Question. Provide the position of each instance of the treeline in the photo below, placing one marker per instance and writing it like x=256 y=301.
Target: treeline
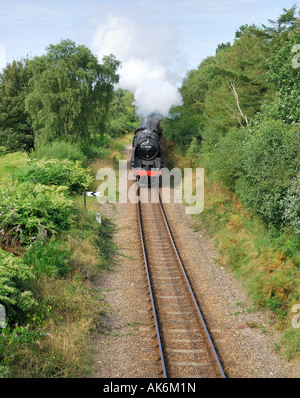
x=65 y=95
x=240 y=118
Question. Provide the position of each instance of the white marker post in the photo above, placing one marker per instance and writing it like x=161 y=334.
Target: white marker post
x=89 y=193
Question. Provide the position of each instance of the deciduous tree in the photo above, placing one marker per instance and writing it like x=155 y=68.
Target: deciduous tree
x=16 y=132
x=70 y=93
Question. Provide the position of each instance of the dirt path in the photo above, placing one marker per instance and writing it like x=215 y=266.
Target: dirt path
x=125 y=346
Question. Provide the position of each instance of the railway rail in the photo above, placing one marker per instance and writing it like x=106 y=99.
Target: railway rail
x=185 y=346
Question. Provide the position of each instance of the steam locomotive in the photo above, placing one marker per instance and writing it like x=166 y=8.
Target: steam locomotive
x=146 y=154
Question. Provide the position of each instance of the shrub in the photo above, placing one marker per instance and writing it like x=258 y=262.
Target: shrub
x=226 y=157
x=49 y=259
x=29 y=210
x=14 y=295
x=55 y=172
x=60 y=150
x=291 y=204
x=3 y=150
x=271 y=160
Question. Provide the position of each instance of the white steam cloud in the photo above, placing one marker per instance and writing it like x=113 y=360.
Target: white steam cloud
x=152 y=65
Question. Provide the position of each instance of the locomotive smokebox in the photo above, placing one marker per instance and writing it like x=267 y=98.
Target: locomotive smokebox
x=146 y=149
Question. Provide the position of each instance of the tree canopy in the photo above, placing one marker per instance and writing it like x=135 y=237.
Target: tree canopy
x=16 y=132
x=70 y=92
x=243 y=104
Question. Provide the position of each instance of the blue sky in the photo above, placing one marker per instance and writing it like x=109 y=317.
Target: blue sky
x=28 y=26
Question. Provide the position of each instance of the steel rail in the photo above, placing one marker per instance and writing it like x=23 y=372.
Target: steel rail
x=150 y=288
x=191 y=290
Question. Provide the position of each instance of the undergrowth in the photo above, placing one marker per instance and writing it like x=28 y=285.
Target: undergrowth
x=46 y=278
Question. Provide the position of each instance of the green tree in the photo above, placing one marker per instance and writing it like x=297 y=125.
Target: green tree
x=16 y=132
x=122 y=113
x=284 y=24
x=270 y=162
x=226 y=90
x=182 y=127
x=284 y=73
x=70 y=93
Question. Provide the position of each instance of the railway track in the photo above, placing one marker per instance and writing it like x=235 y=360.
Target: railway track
x=186 y=348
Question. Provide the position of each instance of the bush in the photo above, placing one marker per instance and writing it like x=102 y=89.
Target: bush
x=60 y=150
x=291 y=204
x=49 y=259
x=55 y=172
x=28 y=211
x=14 y=295
x=182 y=127
x=271 y=160
x=226 y=158
x=3 y=150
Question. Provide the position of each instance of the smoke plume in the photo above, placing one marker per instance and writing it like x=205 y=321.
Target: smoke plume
x=152 y=64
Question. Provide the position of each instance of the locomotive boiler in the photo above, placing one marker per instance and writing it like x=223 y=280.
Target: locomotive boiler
x=146 y=155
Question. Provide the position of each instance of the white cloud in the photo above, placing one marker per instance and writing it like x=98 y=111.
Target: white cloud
x=151 y=61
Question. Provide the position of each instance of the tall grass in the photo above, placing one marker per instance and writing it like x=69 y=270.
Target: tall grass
x=10 y=161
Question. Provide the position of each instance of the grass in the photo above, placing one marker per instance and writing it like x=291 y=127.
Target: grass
x=115 y=154
x=69 y=308
x=10 y=161
x=268 y=269
x=56 y=340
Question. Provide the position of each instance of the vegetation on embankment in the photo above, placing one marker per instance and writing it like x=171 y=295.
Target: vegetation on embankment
x=240 y=121
x=266 y=265
x=51 y=250
x=59 y=114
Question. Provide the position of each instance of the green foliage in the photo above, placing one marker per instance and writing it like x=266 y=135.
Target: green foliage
x=64 y=95
x=10 y=161
x=60 y=150
x=70 y=93
x=244 y=105
x=182 y=127
x=16 y=132
x=285 y=24
x=12 y=341
x=225 y=161
x=291 y=204
x=270 y=161
x=14 y=295
x=193 y=151
x=285 y=74
x=55 y=172
x=122 y=116
x=49 y=258
x=3 y=150
x=28 y=211
x=225 y=91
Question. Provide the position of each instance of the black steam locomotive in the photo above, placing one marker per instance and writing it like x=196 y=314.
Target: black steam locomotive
x=146 y=155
